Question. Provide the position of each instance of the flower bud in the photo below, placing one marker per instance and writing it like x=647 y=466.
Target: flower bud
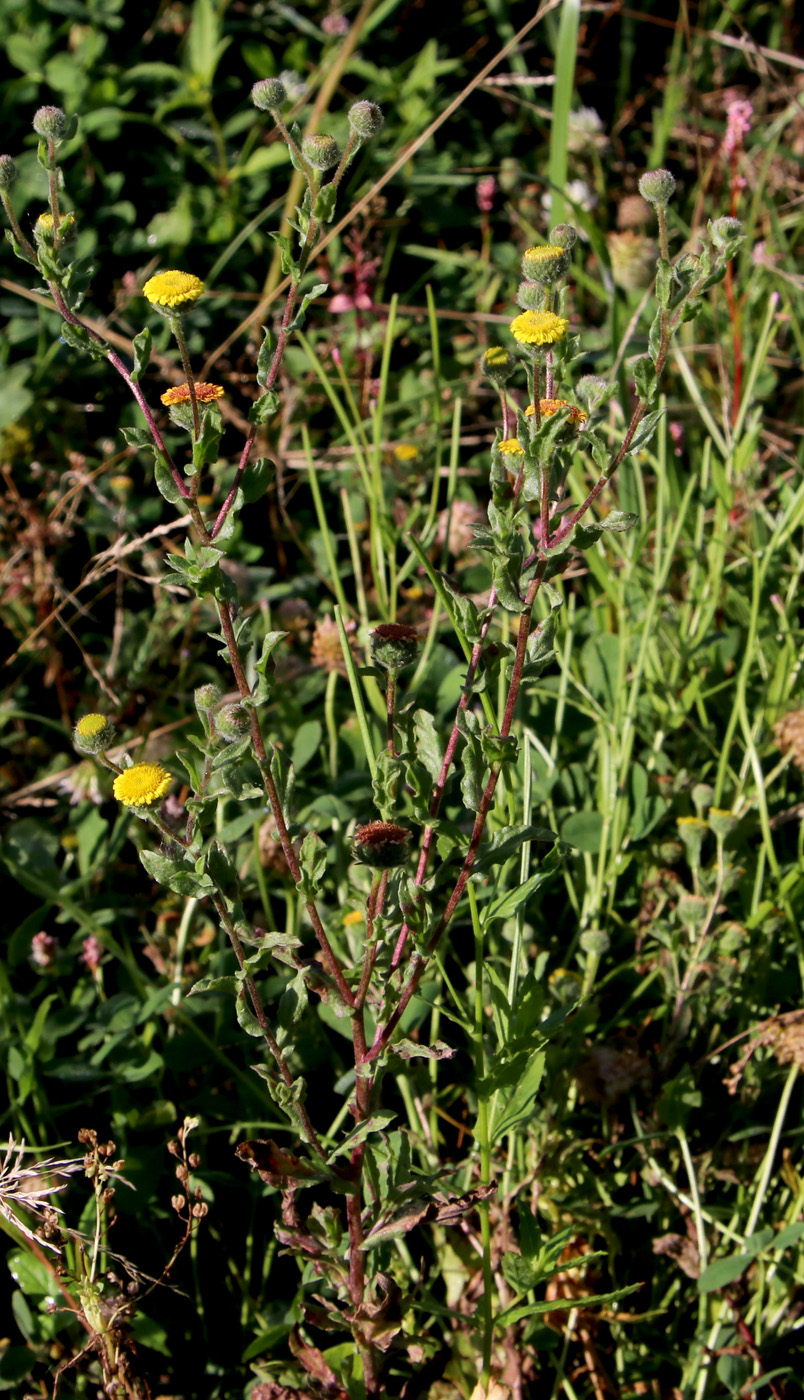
x=8 y=172
x=382 y=845
x=394 y=645
x=692 y=832
x=270 y=94
x=593 y=390
x=93 y=734
x=657 y=186
x=43 y=230
x=321 y=151
x=530 y=296
x=207 y=697
x=633 y=259
x=366 y=119
x=725 y=230
x=692 y=910
x=595 y=940
x=232 y=721
x=564 y=236
x=497 y=363
x=547 y=264
x=50 y=122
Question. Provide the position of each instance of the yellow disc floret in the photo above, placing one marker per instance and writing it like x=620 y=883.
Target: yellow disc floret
x=141 y=784
x=510 y=447
x=547 y=407
x=204 y=393
x=539 y=327
x=172 y=288
x=406 y=452
x=90 y=725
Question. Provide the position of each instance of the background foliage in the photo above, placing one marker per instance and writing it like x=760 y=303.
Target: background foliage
x=664 y=952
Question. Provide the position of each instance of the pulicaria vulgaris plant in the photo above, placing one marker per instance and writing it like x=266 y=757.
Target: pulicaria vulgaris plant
x=446 y=809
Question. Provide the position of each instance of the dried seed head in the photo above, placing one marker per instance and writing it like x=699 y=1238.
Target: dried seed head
x=394 y=645
x=382 y=845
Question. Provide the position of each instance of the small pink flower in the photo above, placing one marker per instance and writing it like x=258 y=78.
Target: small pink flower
x=43 y=949
x=92 y=953
x=739 y=116
x=335 y=25
x=677 y=434
x=485 y=191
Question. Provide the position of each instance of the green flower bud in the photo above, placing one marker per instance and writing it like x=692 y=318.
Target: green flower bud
x=207 y=697
x=725 y=231
x=270 y=94
x=232 y=721
x=564 y=236
x=321 y=151
x=547 y=264
x=497 y=364
x=366 y=119
x=530 y=296
x=702 y=795
x=593 y=390
x=657 y=186
x=93 y=734
x=382 y=845
x=394 y=645
x=50 y=121
x=8 y=172
x=595 y=940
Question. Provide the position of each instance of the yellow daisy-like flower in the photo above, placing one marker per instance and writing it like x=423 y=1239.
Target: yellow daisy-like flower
x=538 y=327
x=172 y=288
x=496 y=355
x=406 y=452
x=90 y=725
x=355 y=916
x=510 y=447
x=180 y=393
x=547 y=407
x=142 y=784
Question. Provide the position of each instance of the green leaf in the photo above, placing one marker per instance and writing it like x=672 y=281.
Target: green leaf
x=584 y=831
x=312 y=864
x=317 y=291
x=519 y=1274
x=165 y=481
x=213 y=984
x=265 y=356
x=205 y=450
x=177 y=874
x=518 y=1107
x=245 y=1016
x=138 y=437
x=429 y=749
x=520 y=1310
x=377 y=1123
x=264 y=408
x=506 y=843
x=142 y=353
x=80 y=339
x=645 y=430
x=723 y=1272
x=505 y=905
x=256 y=479
x=324 y=207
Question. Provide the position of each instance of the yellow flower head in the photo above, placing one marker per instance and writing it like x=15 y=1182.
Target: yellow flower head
x=538 y=327
x=90 y=725
x=547 y=407
x=142 y=784
x=355 y=916
x=548 y=252
x=406 y=452
x=172 y=288
x=510 y=447
x=180 y=393
x=496 y=355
